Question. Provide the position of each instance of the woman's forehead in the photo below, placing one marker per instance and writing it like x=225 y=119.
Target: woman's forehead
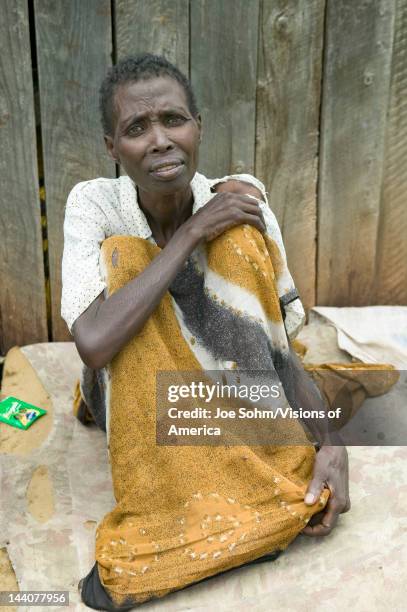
x=152 y=94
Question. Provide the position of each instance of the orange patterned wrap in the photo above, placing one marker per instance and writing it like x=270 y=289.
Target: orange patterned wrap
x=187 y=512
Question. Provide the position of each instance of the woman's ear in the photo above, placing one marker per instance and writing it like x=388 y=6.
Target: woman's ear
x=110 y=148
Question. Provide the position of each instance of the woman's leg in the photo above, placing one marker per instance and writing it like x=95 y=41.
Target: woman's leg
x=95 y=596
x=93 y=397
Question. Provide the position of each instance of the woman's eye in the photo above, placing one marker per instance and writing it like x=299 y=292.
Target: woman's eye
x=135 y=129
x=174 y=120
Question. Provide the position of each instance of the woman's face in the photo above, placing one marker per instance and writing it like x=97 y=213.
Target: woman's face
x=155 y=139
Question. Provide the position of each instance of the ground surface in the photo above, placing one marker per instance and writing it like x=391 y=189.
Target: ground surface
x=56 y=487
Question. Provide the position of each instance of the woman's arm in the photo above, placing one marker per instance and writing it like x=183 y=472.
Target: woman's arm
x=109 y=324
x=331 y=462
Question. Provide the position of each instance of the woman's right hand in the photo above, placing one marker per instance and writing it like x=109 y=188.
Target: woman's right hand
x=224 y=211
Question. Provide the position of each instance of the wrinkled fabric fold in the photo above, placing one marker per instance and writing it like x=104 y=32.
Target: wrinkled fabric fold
x=95 y=596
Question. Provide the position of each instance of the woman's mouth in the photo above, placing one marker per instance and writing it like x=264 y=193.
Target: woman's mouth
x=167 y=171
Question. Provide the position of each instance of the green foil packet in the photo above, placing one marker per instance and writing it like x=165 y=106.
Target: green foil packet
x=19 y=414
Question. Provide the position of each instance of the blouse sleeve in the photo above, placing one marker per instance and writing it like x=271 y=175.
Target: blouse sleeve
x=85 y=228
x=290 y=302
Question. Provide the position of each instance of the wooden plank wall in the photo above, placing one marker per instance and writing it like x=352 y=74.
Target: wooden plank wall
x=356 y=81
x=308 y=95
x=23 y=317
x=391 y=279
x=223 y=74
x=157 y=26
x=74 y=46
x=288 y=103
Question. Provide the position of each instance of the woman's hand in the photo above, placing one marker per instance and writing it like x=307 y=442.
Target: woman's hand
x=238 y=186
x=224 y=211
x=330 y=470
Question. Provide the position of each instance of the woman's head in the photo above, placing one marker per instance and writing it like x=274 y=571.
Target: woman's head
x=150 y=118
x=137 y=68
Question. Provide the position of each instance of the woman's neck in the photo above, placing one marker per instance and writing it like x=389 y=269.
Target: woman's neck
x=165 y=213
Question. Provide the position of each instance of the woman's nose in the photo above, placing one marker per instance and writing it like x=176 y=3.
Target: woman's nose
x=159 y=140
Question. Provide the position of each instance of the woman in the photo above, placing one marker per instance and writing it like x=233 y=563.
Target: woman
x=140 y=255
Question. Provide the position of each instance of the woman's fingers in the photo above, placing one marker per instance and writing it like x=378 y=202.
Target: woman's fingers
x=238 y=187
x=333 y=510
x=251 y=207
x=257 y=221
x=331 y=470
x=240 y=213
x=316 y=485
x=327 y=521
x=227 y=210
x=317 y=530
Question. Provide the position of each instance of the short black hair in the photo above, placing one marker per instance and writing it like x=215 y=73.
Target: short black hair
x=136 y=68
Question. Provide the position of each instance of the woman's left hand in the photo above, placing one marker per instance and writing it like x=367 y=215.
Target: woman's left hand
x=239 y=187
x=331 y=470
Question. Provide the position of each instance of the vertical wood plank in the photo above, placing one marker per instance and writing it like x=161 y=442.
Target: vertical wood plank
x=223 y=73
x=354 y=110
x=158 y=26
x=288 y=104
x=74 y=51
x=23 y=317
x=392 y=236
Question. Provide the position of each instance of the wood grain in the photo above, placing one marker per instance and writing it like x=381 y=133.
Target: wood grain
x=23 y=318
x=333 y=161
x=223 y=73
x=288 y=104
x=158 y=26
x=74 y=48
x=391 y=279
x=356 y=84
